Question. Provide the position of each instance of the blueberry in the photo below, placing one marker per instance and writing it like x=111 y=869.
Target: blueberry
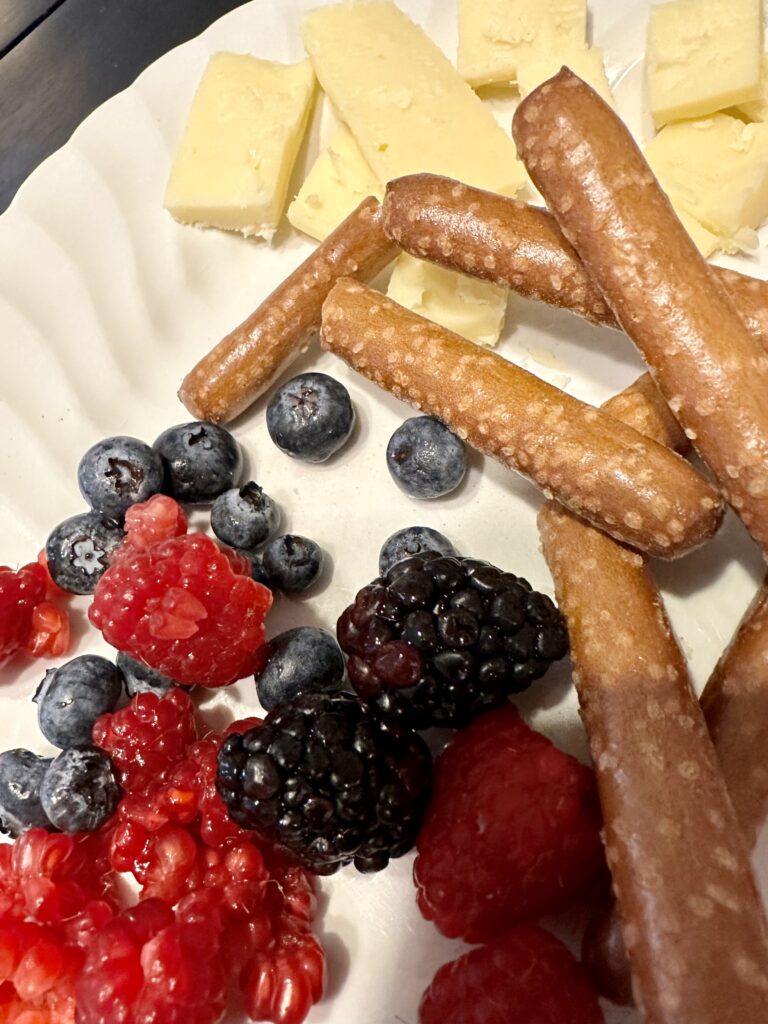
x=119 y=472
x=425 y=458
x=202 y=460
x=413 y=540
x=244 y=517
x=71 y=698
x=301 y=660
x=140 y=678
x=292 y=563
x=21 y=773
x=258 y=572
x=310 y=417
x=78 y=791
x=78 y=551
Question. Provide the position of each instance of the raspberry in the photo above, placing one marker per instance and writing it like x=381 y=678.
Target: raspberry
x=147 y=738
x=439 y=640
x=181 y=608
x=38 y=971
x=19 y=593
x=148 y=522
x=49 y=633
x=526 y=977
x=513 y=831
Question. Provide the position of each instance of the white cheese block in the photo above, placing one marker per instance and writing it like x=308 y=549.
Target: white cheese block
x=337 y=182
x=702 y=56
x=757 y=110
x=403 y=100
x=234 y=163
x=468 y=306
x=716 y=170
x=585 y=62
x=496 y=36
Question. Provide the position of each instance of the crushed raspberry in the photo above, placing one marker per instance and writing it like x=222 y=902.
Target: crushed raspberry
x=525 y=977
x=147 y=738
x=513 y=831
x=181 y=608
x=19 y=593
x=50 y=631
x=149 y=522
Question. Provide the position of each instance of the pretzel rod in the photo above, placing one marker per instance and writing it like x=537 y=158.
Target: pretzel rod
x=735 y=703
x=680 y=867
x=246 y=361
x=710 y=369
x=635 y=489
x=510 y=243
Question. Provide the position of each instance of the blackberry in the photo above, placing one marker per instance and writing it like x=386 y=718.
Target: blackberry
x=329 y=779
x=437 y=640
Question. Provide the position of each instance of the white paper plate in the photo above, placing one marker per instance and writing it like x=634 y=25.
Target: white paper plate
x=105 y=303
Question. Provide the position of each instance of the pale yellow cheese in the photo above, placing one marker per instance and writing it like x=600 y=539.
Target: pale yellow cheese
x=337 y=182
x=757 y=110
x=716 y=171
x=468 y=306
x=585 y=62
x=704 y=240
x=233 y=165
x=404 y=102
x=496 y=36
x=702 y=56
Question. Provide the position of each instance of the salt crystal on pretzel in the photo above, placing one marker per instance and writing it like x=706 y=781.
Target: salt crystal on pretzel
x=244 y=363
x=711 y=371
x=630 y=486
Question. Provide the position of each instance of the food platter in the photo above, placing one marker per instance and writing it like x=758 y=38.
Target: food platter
x=105 y=303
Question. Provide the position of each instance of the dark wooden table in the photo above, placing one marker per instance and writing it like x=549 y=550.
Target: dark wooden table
x=59 y=59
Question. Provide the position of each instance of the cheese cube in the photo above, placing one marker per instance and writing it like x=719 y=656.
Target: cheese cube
x=468 y=306
x=716 y=170
x=496 y=36
x=404 y=102
x=585 y=62
x=234 y=163
x=757 y=110
x=704 y=240
x=703 y=55
x=338 y=181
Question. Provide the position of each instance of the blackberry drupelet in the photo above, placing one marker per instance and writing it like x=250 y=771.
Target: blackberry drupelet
x=437 y=640
x=329 y=779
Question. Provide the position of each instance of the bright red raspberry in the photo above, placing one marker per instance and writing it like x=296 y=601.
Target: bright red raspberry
x=181 y=608
x=50 y=631
x=147 y=738
x=512 y=833
x=38 y=972
x=148 y=522
x=19 y=593
x=525 y=977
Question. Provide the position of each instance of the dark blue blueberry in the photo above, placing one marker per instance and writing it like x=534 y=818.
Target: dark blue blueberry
x=119 y=472
x=301 y=660
x=21 y=773
x=244 y=517
x=79 y=792
x=258 y=572
x=425 y=458
x=413 y=540
x=310 y=417
x=140 y=678
x=78 y=551
x=71 y=698
x=202 y=460
x=292 y=563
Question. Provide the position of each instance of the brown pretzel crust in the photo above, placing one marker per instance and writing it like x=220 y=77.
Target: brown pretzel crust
x=247 y=360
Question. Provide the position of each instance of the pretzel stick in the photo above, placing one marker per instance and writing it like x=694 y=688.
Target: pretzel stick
x=711 y=371
x=637 y=490
x=679 y=864
x=510 y=243
x=735 y=703
x=246 y=361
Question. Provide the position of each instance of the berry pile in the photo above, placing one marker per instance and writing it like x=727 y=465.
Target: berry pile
x=440 y=639
x=328 y=778
x=512 y=833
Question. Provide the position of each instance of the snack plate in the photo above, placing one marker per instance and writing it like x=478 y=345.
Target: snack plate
x=105 y=303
